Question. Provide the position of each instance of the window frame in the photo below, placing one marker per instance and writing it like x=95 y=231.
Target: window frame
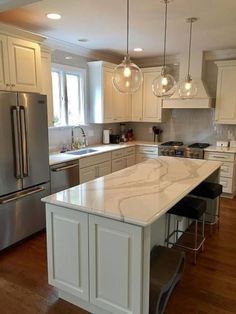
x=81 y=72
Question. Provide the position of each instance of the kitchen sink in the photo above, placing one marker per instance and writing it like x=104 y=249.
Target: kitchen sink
x=83 y=151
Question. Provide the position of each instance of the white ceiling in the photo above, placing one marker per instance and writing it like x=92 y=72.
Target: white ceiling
x=103 y=23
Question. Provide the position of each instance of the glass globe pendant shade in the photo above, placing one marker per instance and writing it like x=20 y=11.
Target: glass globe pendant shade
x=188 y=88
x=164 y=85
x=127 y=77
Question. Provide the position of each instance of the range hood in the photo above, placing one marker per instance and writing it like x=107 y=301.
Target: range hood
x=202 y=99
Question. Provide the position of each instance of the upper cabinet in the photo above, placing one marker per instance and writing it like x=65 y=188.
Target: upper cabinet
x=226 y=93
x=146 y=106
x=106 y=104
x=20 y=65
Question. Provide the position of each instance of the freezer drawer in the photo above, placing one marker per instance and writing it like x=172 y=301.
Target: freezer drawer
x=22 y=214
x=64 y=176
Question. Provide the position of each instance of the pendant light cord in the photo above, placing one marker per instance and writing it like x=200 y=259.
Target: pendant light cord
x=190 y=46
x=127 y=43
x=164 y=61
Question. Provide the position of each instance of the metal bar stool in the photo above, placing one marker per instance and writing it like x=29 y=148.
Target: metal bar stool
x=191 y=208
x=210 y=191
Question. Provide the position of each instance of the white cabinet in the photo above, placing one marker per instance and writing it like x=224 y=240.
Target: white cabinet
x=107 y=105
x=226 y=93
x=115 y=265
x=67 y=251
x=46 y=79
x=4 y=67
x=145 y=105
x=20 y=65
x=227 y=170
x=123 y=158
x=144 y=153
x=94 y=167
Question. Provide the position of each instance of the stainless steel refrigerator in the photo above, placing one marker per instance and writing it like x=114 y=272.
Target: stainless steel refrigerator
x=24 y=165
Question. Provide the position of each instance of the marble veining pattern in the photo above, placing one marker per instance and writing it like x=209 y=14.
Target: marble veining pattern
x=139 y=194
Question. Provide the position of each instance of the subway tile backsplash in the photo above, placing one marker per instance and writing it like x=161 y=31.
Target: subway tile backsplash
x=188 y=125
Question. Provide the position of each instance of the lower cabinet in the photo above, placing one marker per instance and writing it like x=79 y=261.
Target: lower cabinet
x=96 y=171
x=95 y=259
x=146 y=152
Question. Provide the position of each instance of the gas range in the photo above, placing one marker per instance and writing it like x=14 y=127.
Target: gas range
x=178 y=149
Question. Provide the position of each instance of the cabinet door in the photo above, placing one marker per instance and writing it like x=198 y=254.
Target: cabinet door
x=151 y=104
x=67 y=250
x=115 y=265
x=46 y=76
x=87 y=174
x=118 y=164
x=4 y=69
x=108 y=95
x=24 y=64
x=137 y=105
x=130 y=160
x=122 y=106
x=103 y=169
x=226 y=95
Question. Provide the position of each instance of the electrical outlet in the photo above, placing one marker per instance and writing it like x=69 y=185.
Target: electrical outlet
x=150 y=130
x=90 y=133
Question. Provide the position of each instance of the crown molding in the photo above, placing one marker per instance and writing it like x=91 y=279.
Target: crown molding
x=56 y=44
x=10 y=30
x=156 y=61
x=221 y=54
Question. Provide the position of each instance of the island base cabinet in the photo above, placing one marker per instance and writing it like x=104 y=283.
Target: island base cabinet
x=115 y=252
x=67 y=250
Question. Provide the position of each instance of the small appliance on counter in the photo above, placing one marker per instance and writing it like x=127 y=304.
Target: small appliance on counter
x=106 y=137
x=114 y=138
x=157 y=134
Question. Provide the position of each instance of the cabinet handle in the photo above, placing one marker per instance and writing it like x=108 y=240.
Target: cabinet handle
x=65 y=167
x=8 y=85
x=220 y=157
x=13 y=85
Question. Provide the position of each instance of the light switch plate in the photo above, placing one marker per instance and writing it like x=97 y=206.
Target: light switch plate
x=222 y=143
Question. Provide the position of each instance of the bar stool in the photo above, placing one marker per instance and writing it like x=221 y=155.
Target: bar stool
x=210 y=191
x=192 y=208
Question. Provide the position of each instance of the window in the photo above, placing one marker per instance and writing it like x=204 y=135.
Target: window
x=68 y=86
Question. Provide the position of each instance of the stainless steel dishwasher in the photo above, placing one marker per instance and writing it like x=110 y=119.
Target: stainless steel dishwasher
x=64 y=175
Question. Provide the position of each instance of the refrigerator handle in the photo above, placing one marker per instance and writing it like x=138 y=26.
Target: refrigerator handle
x=16 y=196
x=24 y=142
x=16 y=142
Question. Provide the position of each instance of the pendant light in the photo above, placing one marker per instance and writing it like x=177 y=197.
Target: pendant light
x=188 y=88
x=164 y=85
x=127 y=76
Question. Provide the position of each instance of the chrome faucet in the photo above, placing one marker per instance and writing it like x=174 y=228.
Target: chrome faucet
x=84 y=142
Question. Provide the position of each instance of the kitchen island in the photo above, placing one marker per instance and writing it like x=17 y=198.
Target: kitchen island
x=100 y=233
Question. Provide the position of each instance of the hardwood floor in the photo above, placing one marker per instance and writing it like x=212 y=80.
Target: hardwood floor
x=209 y=287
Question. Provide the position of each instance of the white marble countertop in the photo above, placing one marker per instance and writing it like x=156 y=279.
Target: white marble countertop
x=57 y=158
x=221 y=149
x=139 y=194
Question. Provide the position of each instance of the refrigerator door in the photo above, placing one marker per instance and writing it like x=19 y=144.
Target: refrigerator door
x=10 y=156
x=34 y=138
x=22 y=214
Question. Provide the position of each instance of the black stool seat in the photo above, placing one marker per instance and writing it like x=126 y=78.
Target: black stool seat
x=208 y=190
x=189 y=207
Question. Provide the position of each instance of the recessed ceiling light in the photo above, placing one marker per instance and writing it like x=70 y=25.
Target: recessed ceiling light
x=83 y=40
x=68 y=58
x=53 y=16
x=138 y=49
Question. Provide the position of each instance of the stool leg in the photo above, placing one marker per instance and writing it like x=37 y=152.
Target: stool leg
x=168 y=230
x=218 y=214
x=195 y=241
x=203 y=230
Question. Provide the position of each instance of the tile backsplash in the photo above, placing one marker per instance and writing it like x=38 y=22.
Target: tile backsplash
x=187 y=125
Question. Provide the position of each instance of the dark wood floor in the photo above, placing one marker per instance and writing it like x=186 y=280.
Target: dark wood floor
x=209 y=287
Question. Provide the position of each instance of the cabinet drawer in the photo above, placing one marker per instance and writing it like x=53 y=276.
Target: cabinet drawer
x=86 y=174
x=227 y=169
x=129 y=151
x=147 y=149
x=130 y=160
x=227 y=184
x=118 y=164
x=117 y=154
x=219 y=156
x=93 y=160
x=144 y=157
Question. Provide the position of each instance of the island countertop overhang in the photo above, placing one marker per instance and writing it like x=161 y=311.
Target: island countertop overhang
x=139 y=194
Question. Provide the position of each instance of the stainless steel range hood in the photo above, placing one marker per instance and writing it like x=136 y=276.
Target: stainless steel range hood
x=202 y=99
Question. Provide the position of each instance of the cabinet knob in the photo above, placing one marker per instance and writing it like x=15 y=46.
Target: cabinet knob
x=8 y=85
x=13 y=85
